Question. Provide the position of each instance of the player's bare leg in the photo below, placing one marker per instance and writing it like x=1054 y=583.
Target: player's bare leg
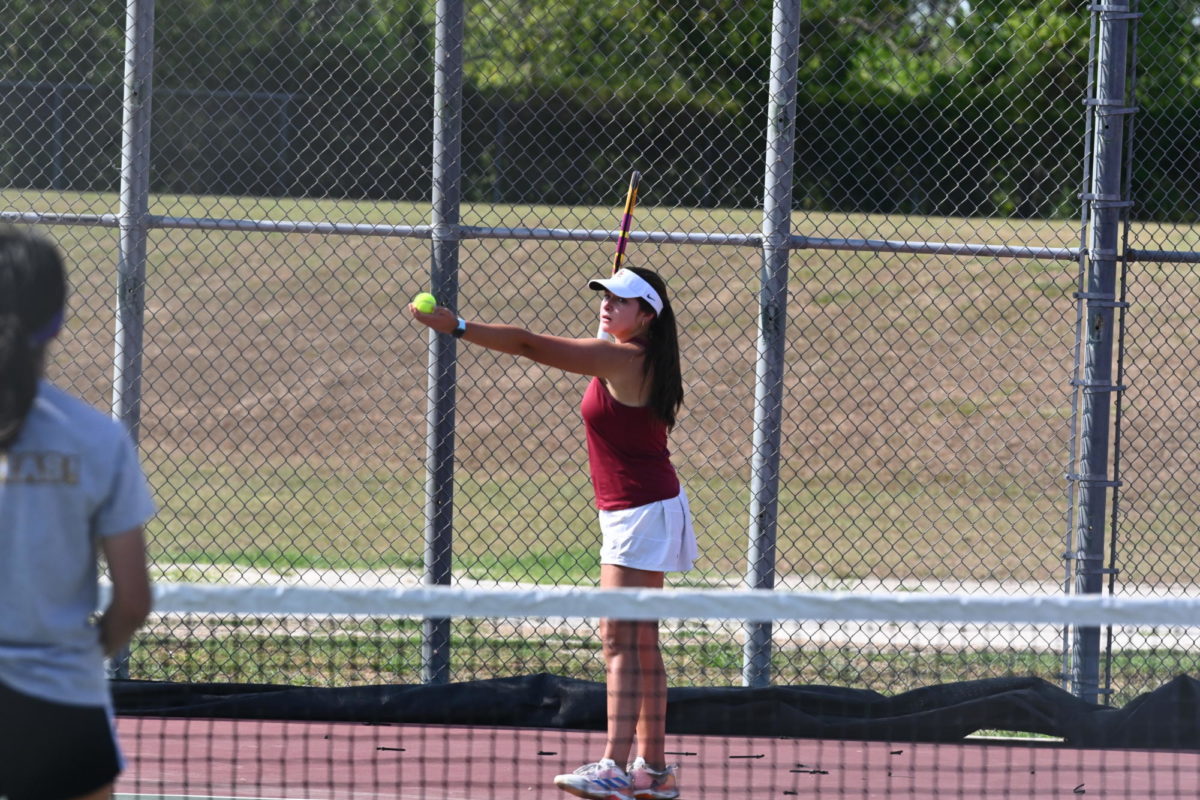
x=636 y=680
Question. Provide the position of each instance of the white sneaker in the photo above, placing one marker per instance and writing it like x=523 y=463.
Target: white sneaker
x=603 y=780
x=649 y=784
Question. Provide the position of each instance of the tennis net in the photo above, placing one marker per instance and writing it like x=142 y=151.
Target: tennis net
x=315 y=693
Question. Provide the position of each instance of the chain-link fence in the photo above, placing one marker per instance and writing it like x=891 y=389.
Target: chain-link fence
x=312 y=164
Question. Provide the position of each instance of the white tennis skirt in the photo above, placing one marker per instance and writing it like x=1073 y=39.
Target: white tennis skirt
x=657 y=537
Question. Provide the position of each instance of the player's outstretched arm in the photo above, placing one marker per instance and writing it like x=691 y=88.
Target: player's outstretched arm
x=582 y=356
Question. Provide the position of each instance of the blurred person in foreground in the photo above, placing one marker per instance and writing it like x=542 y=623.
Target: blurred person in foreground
x=71 y=489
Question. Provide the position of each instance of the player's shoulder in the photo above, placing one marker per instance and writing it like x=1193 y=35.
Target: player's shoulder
x=59 y=414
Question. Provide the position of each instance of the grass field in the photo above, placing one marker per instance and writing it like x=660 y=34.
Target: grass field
x=927 y=399
x=925 y=436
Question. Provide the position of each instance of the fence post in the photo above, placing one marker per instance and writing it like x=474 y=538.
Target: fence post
x=133 y=220
x=447 y=177
x=1104 y=202
x=772 y=328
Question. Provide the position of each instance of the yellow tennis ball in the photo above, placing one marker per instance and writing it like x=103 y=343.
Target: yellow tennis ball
x=424 y=302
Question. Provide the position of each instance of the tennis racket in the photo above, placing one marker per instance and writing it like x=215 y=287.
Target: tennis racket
x=635 y=178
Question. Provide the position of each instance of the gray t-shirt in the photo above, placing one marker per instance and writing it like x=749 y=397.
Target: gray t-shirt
x=71 y=478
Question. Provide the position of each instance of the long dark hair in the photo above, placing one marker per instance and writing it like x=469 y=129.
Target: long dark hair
x=662 y=354
x=33 y=292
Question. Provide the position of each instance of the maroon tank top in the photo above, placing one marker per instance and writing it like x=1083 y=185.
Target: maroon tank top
x=627 y=452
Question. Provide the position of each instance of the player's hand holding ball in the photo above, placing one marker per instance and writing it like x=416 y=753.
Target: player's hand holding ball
x=425 y=310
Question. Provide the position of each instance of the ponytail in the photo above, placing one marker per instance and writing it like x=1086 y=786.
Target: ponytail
x=32 y=295
x=662 y=354
x=18 y=378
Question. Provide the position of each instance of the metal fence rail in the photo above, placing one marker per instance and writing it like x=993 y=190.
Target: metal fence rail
x=899 y=286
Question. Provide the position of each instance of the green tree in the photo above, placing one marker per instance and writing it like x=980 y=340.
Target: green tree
x=62 y=41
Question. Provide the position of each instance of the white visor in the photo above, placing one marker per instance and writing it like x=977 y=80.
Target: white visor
x=625 y=283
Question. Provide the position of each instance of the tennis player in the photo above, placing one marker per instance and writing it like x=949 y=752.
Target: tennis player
x=70 y=487
x=628 y=408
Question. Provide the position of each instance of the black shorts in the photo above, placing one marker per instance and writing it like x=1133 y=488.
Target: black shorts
x=52 y=751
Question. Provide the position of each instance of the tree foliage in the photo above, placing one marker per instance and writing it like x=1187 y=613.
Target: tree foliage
x=983 y=98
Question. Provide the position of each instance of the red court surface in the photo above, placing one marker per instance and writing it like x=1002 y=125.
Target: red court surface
x=174 y=758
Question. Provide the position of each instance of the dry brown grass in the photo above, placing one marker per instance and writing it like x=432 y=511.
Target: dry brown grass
x=926 y=429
